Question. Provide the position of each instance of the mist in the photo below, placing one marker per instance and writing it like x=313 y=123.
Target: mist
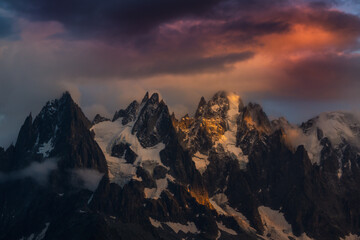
x=37 y=171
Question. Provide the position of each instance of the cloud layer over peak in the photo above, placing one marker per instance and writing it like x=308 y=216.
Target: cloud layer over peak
x=289 y=52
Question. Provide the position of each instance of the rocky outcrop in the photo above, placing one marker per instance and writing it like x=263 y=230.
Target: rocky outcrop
x=128 y=114
x=98 y=119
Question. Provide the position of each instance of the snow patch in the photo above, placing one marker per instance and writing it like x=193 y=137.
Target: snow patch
x=155 y=223
x=161 y=185
x=228 y=140
x=276 y=226
x=336 y=126
x=217 y=200
x=120 y=172
x=222 y=227
x=190 y=227
x=351 y=237
x=217 y=208
x=201 y=162
x=108 y=134
x=46 y=148
x=221 y=205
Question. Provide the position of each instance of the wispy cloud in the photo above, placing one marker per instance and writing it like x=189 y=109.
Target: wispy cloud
x=37 y=171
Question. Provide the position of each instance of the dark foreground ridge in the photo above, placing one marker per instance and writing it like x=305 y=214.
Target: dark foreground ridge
x=226 y=173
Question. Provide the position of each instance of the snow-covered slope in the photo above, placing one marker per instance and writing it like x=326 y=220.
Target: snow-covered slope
x=214 y=128
x=228 y=139
x=340 y=128
x=276 y=226
x=109 y=134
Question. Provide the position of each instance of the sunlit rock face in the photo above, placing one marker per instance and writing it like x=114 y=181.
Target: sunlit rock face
x=209 y=124
x=251 y=160
x=225 y=173
x=223 y=125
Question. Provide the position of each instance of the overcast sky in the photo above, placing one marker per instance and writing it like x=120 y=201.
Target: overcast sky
x=296 y=58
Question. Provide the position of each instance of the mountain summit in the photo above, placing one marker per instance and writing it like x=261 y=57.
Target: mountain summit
x=228 y=172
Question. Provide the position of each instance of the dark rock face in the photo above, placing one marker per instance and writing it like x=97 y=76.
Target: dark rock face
x=153 y=123
x=7 y=158
x=122 y=150
x=61 y=130
x=128 y=114
x=98 y=119
x=253 y=125
x=216 y=171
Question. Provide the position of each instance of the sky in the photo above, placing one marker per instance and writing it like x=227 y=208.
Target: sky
x=296 y=58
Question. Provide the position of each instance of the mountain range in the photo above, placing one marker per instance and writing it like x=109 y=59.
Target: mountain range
x=227 y=172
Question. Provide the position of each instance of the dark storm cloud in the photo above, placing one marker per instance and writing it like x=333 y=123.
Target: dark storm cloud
x=336 y=21
x=89 y=16
x=197 y=65
x=6 y=26
x=113 y=18
x=257 y=28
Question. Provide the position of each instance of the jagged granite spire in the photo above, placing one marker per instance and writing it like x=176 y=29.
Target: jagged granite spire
x=128 y=114
x=98 y=119
x=145 y=98
x=60 y=130
x=153 y=123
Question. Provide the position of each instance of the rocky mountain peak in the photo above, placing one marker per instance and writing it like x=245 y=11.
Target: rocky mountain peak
x=200 y=108
x=98 y=118
x=253 y=117
x=218 y=105
x=25 y=135
x=212 y=119
x=129 y=114
x=154 y=98
x=337 y=126
x=153 y=123
x=145 y=98
x=59 y=130
x=279 y=123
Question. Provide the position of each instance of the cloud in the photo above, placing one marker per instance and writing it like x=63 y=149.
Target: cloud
x=6 y=27
x=39 y=171
x=196 y=65
x=86 y=178
x=91 y=17
x=328 y=76
x=112 y=52
x=36 y=170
